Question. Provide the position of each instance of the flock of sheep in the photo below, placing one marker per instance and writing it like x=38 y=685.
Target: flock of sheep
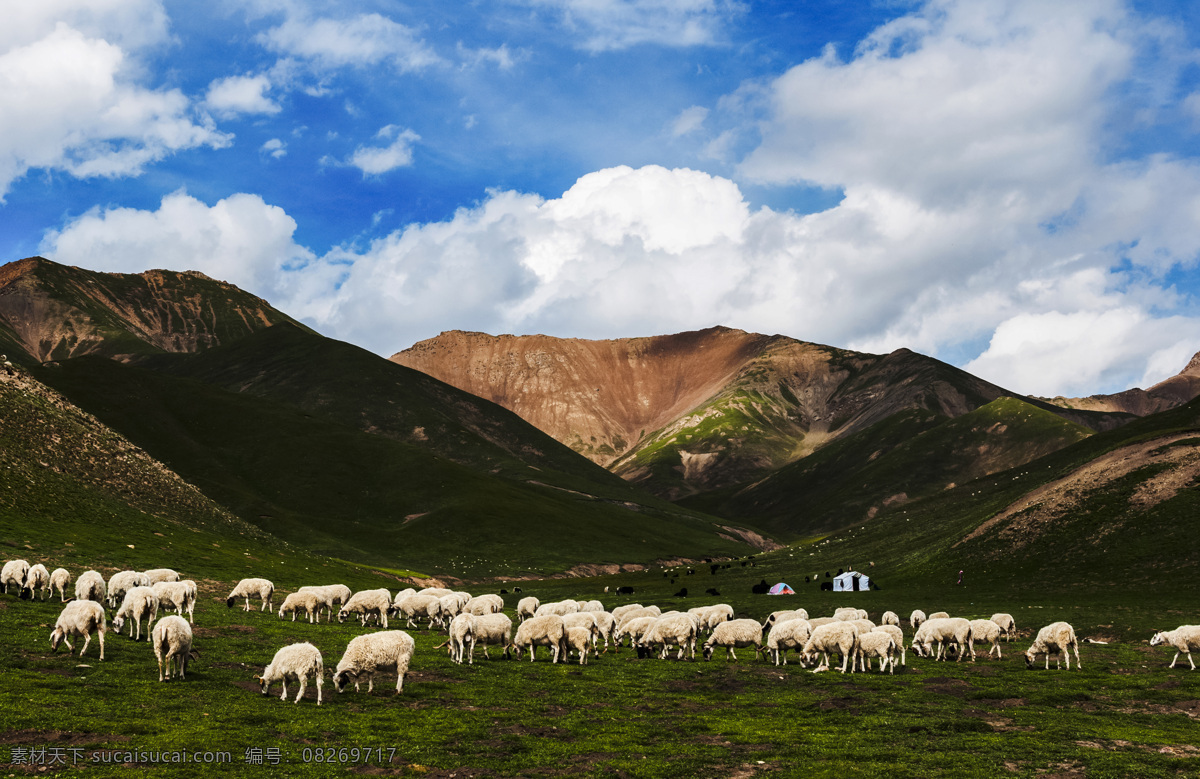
x=565 y=627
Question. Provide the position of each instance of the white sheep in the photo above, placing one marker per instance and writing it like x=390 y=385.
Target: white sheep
x=122 y=582
x=545 y=630
x=1008 y=626
x=485 y=604
x=14 y=573
x=889 y=618
x=846 y=614
x=638 y=613
x=90 y=586
x=863 y=625
x=986 y=630
x=789 y=634
x=916 y=618
x=834 y=636
x=944 y=631
x=1184 y=638
x=579 y=640
x=635 y=628
x=180 y=596
x=308 y=602
x=156 y=575
x=450 y=605
x=817 y=622
x=898 y=636
x=527 y=607
x=371 y=653
x=733 y=634
x=558 y=608
x=172 y=640
x=675 y=630
x=873 y=644
x=60 y=579
x=79 y=618
x=333 y=597
x=605 y=624
x=38 y=579
x=620 y=611
x=139 y=603
x=418 y=605
x=263 y=589
x=436 y=592
x=295 y=661
x=462 y=636
x=939 y=615
x=585 y=620
x=1057 y=639
x=368 y=603
x=492 y=630
x=592 y=605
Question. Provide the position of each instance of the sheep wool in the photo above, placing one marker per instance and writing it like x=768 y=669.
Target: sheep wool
x=786 y=635
x=372 y=653
x=38 y=581
x=263 y=589
x=1056 y=639
x=90 y=586
x=14 y=573
x=180 y=595
x=986 y=630
x=1008 y=626
x=872 y=644
x=527 y=607
x=297 y=662
x=545 y=630
x=835 y=636
x=172 y=641
x=734 y=634
x=79 y=618
x=579 y=640
x=308 y=602
x=60 y=579
x=156 y=575
x=368 y=603
x=492 y=630
x=138 y=604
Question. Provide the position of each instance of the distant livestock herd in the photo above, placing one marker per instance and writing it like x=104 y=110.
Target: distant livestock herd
x=567 y=628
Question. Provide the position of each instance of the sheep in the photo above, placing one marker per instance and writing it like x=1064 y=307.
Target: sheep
x=916 y=618
x=1057 y=638
x=592 y=605
x=436 y=592
x=863 y=625
x=79 y=618
x=817 y=622
x=637 y=613
x=450 y=605
x=890 y=618
x=37 y=579
x=156 y=575
x=263 y=589
x=716 y=614
x=90 y=586
x=732 y=634
x=1184 y=638
x=14 y=572
x=172 y=639
x=636 y=629
x=835 y=636
x=1008 y=626
x=939 y=615
x=139 y=603
x=462 y=636
x=180 y=596
x=872 y=644
x=120 y=583
x=585 y=620
x=527 y=607
x=846 y=614
x=309 y=602
x=366 y=603
x=579 y=640
x=898 y=636
x=605 y=624
x=789 y=634
x=943 y=631
x=559 y=608
x=675 y=630
x=620 y=611
x=492 y=629
x=545 y=630
x=429 y=606
x=60 y=579
x=333 y=596
x=368 y=654
x=485 y=604
x=295 y=661
x=403 y=595
x=778 y=617
x=986 y=630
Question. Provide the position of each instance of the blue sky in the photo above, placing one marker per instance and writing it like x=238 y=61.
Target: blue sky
x=1011 y=186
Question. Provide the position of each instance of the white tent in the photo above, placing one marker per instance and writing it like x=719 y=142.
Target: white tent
x=851 y=581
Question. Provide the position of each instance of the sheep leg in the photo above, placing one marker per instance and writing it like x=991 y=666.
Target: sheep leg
x=86 y=640
x=284 y=696
x=320 y=676
x=303 y=686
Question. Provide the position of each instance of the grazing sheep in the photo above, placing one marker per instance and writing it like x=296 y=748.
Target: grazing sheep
x=585 y=620
x=916 y=618
x=620 y=611
x=872 y=644
x=450 y=605
x=789 y=634
x=527 y=607
x=835 y=636
x=368 y=603
x=898 y=636
x=863 y=625
x=333 y=597
x=122 y=582
x=428 y=606
x=14 y=572
x=1184 y=638
x=462 y=636
x=37 y=579
x=1057 y=639
x=296 y=661
x=846 y=614
x=559 y=608
x=484 y=604
x=309 y=602
x=545 y=630
x=368 y=654
x=90 y=586
x=579 y=640
x=79 y=618
x=634 y=628
x=180 y=596
x=732 y=634
x=1008 y=626
x=675 y=630
x=939 y=615
x=60 y=579
x=817 y=622
x=139 y=603
x=592 y=605
x=986 y=630
x=437 y=592
x=605 y=624
x=493 y=630
x=172 y=639
x=263 y=589
x=890 y=618
x=156 y=575
x=638 y=613
x=944 y=631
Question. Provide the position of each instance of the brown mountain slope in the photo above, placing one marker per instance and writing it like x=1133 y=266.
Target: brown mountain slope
x=1170 y=393
x=50 y=311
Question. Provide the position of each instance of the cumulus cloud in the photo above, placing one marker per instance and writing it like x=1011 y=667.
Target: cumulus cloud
x=605 y=25
x=71 y=97
x=275 y=147
x=376 y=160
x=234 y=95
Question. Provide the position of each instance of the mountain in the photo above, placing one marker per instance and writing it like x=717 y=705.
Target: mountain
x=1170 y=393
x=50 y=311
x=703 y=410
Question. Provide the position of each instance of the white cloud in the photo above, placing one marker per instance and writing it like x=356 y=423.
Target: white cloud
x=275 y=147
x=604 y=25
x=366 y=39
x=234 y=95
x=376 y=160
x=689 y=120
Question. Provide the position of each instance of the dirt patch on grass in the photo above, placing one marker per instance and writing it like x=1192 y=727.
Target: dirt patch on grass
x=946 y=686
x=540 y=732
x=1120 y=745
